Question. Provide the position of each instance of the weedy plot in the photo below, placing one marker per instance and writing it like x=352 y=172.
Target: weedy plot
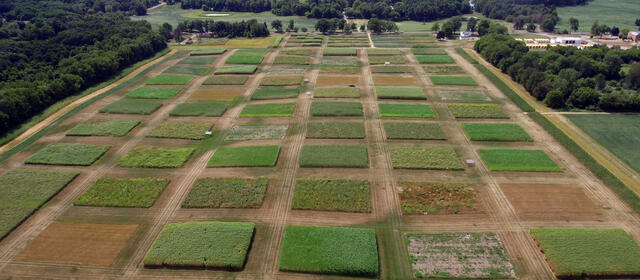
x=453 y=80
x=334 y=156
x=237 y=69
x=464 y=95
x=375 y=52
x=170 y=80
x=247 y=156
x=219 y=93
x=340 y=109
x=68 y=154
x=495 y=132
x=428 y=51
x=189 y=70
x=256 y=132
x=180 y=130
x=459 y=256
x=291 y=59
x=406 y=111
x=335 y=130
x=275 y=93
x=340 y=52
x=477 y=111
x=138 y=107
x=203 y=60
x=304 y=52
x=422 y=131
x=435 y=59
x=337 y=92
x=337 y=69
x=212 y=245
x=204 y=108
x=435 y=158
x=287 y=69
x=267 y=110
x=390 y=69
x=518 y=160
x=332 y=195
x=153 y=93
x=226 y=80
x=337 y=80
x=395 y=80
x=103 y=128
x=116 y=192
x=156 y=157
x=210 y=51
x=329 y=250
x=281 y=81
x=395 y=59
x=400 y=93
x=244 y=59
x=437 y=198
x=23 y=191
x=443 y=69
x=252 y=51
x=226 y=193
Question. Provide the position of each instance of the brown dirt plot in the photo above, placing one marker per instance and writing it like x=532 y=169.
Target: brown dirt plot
x=217 y=93
x=326 y=80
x=395 y=80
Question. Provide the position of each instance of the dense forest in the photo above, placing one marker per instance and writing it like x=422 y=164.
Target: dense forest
x=50 y=50
x=250 y=29
x=25 y=10
x=521 y=12
x=567 y=77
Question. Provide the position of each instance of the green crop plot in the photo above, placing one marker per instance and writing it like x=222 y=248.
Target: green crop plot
x=204 y=108
x=281 y=81
x=23 y=191
x=453 y=80
x=257 y=132
x=267 y=110
x=247 y=156
x=414 y=131
x=244 y=59
x=69 y=154
x=395 y=59
x=252 y=51
x=138 y=107
x=391 y=69
x=340 y=109
x=374 y=52
x=335 y=130
x=332 y=195
x=275 y=93
x=116 y=192
x=103 y=128
x=406 y=111
x=226 y=193
x=170 y=80
x=210 y=51
x=156 y=157
x=495 y=132
x=296 y=52
x=395 y=92
x=443 y=69
x=434 y=158
x=334 y=156
x=435 y=59
x=203 y=60
x=329 y=250
x=337 y=92
x=226 y=80
x=340 y=52
x=428 y=51
x=290 y=59
x=189 y=70
x=432 y=198
x=153 y=93
x=237 y=69
x=578 y=253
x=464 y=95
x=212 y=245
x=477 y=111
x=180 y=130
x=518 y=160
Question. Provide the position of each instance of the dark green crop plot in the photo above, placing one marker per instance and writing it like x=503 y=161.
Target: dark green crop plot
x=337 y=92
x=237 y=69
x=453 y=80
x=329 y=250
x=340 y=51
x=406 y=111
x=577 y=253
x=138 y=107
x=395 y=59
x=396 y=92
x=335 y=130
x=340 y=109
x=422 y=131
x=153 y=93
x=180 y=130
x=104 y=128
x=210 y=245
x=115 y=192
x=281 y=81
x=226 y=80
x=428 y=51
x=247 y=156
x=495 y=132
x=275 y=93
x=210 y=51
x=378 y=51
x=518 y=160
x=198 y=60
x=226 y=193
x=68 y=154
x=252 y=51
x=244 y=59
x=290 y=59
x=267 y=110
x=334 y=156
x=332 y=195
x=170 y=80
x=435 y=59
x=156 y=157
x=477 y=111
x=23 y=191
x=435 y=158
x=189 y=70
x=204 y=108
x=390 y=69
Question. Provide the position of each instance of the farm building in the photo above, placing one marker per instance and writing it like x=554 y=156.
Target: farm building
x=567 y=41
x=465 y=35
x=634 y=36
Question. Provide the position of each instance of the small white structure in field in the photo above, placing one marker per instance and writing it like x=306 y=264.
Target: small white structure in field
x=465 y=35
x=308 y=93
x=470 y=162
x=387 y=63
x=208 y=133
x=306 y=80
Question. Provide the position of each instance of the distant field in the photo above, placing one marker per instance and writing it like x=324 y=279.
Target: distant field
x=620 y=13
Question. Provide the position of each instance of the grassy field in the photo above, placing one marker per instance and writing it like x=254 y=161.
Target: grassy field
x=620 y=13
x=463 y=95
x=103 y=128
x=203 y=60
x=156 y=157
x=335 y=130
x=204 y=108
x=329 y=250
x=116 y=192
x=213 y=245
x=290 y=59
x=153 y=93
x=518 y=160
x=414 y=131
x=583 y=252
x=267 y=110
x=23 y=191
x=394 y=59
x=170 y=80
x=180 y=130
x=208 y=51
x=244 y=59
x=385 y=52
x=226 y=193
x=252 y=51
x=237 y=69
x=226 y=80
x=189 y=70
x=435 y=59
x=453 y=80
x=275 y=93
x=256 y=132
x=428 y=51
x=334 y=156
x=390 y=69
x=138 y=107
x=338 y=109
x=442 y=69
x=332 y=195
x=434 y=158
x=281 y=81
x=406 y=111
x=303 y=52
x=477 y=111
x=337 y=92
x=68 y=154
x=340 y=52
x=495 y=132
x=399 y=92
x=432 y=198
x=247 y=156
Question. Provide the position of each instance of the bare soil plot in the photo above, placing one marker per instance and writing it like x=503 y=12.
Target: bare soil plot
x=180 y=130
x=216 y=94
x=435 y=158
x=87 y=244
x=69 y=154
x=256 y=132
x=332 y=195
x=334 y=80
x=414 y=130
x=335 y=130
x=129 y=192
x=395 y=80
x=103 y=128
x=226 y=193
x=438 y=198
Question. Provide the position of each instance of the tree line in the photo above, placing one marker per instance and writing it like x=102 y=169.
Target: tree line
x=27 y=9
x=525 y=12
x=250 y=29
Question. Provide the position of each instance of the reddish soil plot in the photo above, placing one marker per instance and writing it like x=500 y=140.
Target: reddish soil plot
x=88 y=244
x=551 y=202
x=337 y=80
x=216 y=94
x=395 y=80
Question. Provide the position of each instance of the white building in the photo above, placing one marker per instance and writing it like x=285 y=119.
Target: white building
x=567 y=41
x=465 y=35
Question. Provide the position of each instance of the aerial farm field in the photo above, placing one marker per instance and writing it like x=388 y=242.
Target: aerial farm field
x=247 y=163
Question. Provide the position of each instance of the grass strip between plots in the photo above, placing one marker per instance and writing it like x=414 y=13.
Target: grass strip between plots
x=332 y=195
x=247 y=156
x=118 y=192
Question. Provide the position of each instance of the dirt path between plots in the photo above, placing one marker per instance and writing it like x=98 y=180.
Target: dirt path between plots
x=53 y=117
x=370 y=41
